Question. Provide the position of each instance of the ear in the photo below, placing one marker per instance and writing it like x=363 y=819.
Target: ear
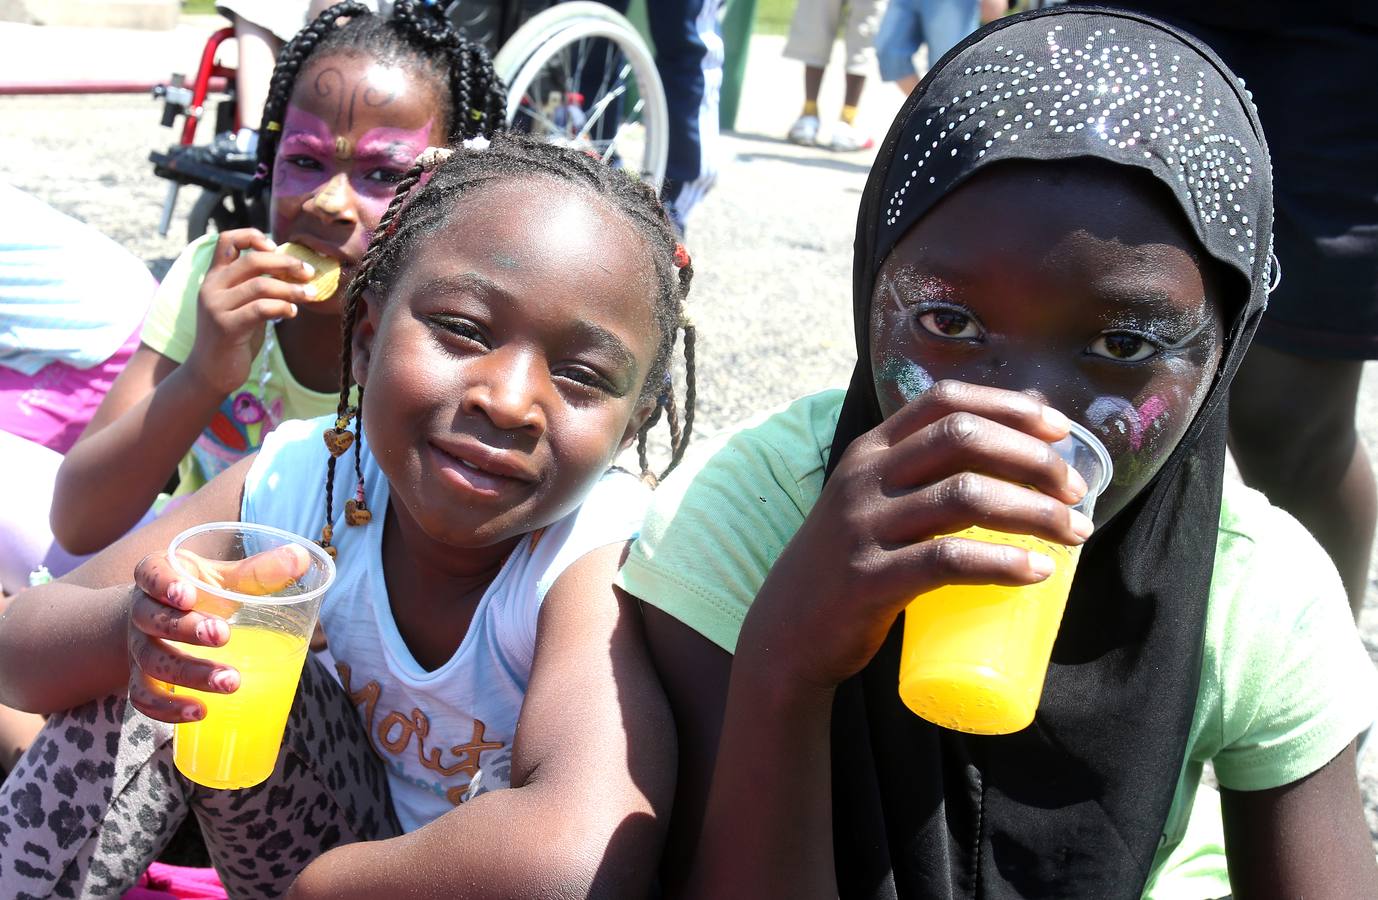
x=639 y=416
x=365 y=331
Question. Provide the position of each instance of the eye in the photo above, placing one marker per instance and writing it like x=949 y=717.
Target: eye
x=303 y=162
x=386 y=176
x=587 y=377
x=1123 y=346
x=950 y=323
x=463 y=329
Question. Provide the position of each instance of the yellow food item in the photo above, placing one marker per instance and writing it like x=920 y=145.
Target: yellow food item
x=327 y=278
x=236 y=744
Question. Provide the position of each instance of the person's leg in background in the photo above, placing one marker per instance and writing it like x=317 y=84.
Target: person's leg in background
x=1293 y=435
x=811 y=31
x=946 y=22
x=863 y=23
x=897 y=40
x=689 y=55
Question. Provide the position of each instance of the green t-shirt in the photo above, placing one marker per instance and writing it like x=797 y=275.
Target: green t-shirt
x=1285 y=685
x=269 y=396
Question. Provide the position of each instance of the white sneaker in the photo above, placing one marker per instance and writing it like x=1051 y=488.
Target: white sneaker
x=804 y=130
x=847 y=138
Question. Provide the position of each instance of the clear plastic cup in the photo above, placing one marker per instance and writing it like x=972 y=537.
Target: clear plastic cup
x=974 y=657
x=268 y=583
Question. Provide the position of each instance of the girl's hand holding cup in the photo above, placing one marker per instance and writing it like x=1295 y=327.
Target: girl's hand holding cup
x=958 y=455
x=169 y=607
x=246 y=286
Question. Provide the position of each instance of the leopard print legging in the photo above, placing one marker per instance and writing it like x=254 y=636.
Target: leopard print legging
x=97 y=798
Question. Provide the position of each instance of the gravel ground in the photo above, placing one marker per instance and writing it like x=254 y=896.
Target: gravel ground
x=771 y=244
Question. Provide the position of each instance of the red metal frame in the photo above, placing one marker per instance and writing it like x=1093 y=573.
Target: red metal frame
x=201 y=86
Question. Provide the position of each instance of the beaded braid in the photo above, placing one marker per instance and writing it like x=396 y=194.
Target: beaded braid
x=474 y=98
x=338 y=440
x=414 y=213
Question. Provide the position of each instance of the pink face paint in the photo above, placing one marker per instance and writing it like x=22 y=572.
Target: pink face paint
x=306 y=154
x=1117 y=415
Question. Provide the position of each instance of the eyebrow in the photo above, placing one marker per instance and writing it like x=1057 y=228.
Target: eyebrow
x=583 y=330
x=306 y=141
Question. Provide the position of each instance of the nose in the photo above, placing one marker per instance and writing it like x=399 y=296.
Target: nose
x=1045 y=377
x=335 y=201
x=508 y=388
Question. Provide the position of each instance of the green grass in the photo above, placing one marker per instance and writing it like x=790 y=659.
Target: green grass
x=198 y=7
x=772 y=16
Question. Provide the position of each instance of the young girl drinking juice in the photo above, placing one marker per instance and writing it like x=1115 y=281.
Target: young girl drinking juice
x=1069 y=222
x=240 y=338
x=510 y=331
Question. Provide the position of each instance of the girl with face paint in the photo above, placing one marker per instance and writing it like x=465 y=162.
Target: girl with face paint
x=237 y=340
x=1069 y=220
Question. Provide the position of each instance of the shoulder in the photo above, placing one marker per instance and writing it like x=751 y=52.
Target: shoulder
x=1286 y=680
x=611 y=514
x=291 y=462
x=719 y=522
x=784 y=450
x=171 y=324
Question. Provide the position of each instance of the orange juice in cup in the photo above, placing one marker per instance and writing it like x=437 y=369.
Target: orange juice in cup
x=974 y=656
x=271 y=603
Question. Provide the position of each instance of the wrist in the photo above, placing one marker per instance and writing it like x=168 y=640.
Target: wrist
x=771 y=672
x=208 y=385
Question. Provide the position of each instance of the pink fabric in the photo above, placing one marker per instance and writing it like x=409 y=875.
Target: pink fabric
x=53 y=406
x=164 y=882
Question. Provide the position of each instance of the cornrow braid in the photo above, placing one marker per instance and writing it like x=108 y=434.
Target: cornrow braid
x=418 y=210
x=472 y=96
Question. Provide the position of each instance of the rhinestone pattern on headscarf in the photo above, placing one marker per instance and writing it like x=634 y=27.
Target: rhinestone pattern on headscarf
x=1083 y=92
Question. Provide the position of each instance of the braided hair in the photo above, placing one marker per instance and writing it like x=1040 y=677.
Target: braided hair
x=412 y=215
x=470 y=93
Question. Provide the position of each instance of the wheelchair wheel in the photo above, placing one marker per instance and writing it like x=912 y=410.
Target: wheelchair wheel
x=217 y=211
x=580 y=75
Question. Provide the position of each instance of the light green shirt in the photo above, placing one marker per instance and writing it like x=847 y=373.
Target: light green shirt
x=269 y=396
x=1285 y=684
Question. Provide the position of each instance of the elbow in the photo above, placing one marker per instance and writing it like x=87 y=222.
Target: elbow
x=76 y=533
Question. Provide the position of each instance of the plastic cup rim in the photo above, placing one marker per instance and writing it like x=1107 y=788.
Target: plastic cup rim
x=253 y=599
x=1087 y=437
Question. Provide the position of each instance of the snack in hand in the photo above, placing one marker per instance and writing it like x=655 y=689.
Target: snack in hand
x=327 y=277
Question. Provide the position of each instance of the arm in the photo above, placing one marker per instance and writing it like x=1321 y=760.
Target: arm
x=1304 y=839
x=592 y=775
x=84 y=618
x=154 y=412
x=957 y=456
x=157 y=408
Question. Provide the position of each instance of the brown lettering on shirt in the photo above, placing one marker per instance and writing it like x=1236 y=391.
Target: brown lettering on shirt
x=395 y=732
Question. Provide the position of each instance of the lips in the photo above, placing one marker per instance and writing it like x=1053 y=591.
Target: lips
x=481 y=469
x=326 y=248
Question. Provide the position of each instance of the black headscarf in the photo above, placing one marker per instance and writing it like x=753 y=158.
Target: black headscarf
x=1074 y=805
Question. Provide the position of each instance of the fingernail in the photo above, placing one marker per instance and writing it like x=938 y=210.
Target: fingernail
x=1081 y=524
x=193 y=713
x=1056 y=419
x=310 y=269
x=212 y=631
x=1076 y=483
x=182 y=594
x=226 y=681
x=1040 y=564
x=309 y=290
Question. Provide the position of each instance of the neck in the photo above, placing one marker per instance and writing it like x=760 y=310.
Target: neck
x=311 y=348
x=433 y=588
x=440 y=564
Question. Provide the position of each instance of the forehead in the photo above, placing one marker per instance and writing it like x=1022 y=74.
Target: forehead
x=1071 y=217
x=351 y=93
x=551 y=240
